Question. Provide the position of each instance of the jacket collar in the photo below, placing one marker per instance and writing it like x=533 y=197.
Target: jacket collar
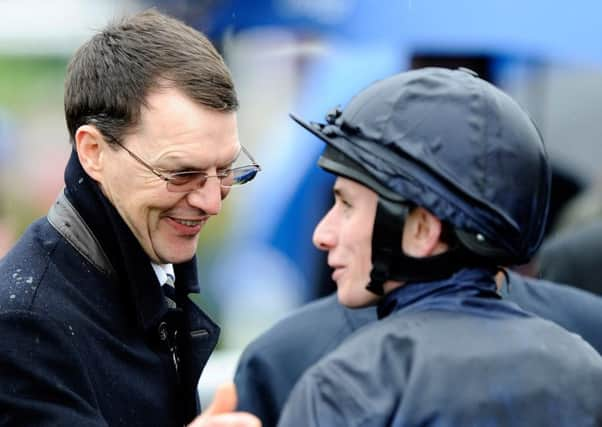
x=468 y=282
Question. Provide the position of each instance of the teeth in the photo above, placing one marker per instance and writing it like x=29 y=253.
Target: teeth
x=188 y=223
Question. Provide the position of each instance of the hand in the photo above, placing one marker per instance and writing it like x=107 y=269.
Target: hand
x=221 y=411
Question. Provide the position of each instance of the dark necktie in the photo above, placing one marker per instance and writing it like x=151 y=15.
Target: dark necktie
x=169 y=291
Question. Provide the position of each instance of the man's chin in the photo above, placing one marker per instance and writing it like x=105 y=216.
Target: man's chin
x=179 y=260
x=176 y=255
x=358 y=300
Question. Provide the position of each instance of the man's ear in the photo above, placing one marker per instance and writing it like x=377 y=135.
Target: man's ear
x=422 y=234
x=90 y=147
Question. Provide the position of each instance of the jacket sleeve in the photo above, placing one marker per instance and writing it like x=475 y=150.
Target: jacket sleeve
x=43 y=381
x=259 y=390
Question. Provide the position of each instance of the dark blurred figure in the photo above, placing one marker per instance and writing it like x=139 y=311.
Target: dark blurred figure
x=583 y=209
x=574 y=257
x=566 y=187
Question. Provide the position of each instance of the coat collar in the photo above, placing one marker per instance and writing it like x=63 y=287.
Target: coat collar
x=468 y=282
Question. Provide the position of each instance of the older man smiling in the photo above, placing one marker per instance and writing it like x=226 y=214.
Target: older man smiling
x=97 y=309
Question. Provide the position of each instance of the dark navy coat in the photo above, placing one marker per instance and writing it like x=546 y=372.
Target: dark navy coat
x=574 y=309
x=271 y=365
x=87 y=336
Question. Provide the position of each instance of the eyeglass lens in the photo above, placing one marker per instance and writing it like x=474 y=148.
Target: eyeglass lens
x=189 y=181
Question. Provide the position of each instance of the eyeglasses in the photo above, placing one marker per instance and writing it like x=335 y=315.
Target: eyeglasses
x=183 y=182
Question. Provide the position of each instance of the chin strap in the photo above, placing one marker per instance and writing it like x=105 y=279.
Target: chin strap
x=386 y=241
x=389 y=262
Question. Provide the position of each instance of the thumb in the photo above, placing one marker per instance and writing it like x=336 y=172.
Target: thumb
x=220 y=413
x=224 y=400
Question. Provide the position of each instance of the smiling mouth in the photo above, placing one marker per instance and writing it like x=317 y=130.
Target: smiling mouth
x=189 y=223
x=336 y=273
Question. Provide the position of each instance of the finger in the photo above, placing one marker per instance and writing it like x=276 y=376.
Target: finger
x=234 y=419
x=224 y=400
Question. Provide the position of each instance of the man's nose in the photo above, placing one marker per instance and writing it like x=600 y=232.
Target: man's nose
x=208 y=197
x=324 y=237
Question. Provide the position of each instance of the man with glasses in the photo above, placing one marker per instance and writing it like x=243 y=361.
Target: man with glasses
x=98 y=311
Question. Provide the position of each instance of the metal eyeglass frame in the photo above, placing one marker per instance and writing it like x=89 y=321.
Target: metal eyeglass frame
x=169 y=177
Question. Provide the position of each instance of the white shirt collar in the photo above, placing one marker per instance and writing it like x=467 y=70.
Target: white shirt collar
x=162 y=271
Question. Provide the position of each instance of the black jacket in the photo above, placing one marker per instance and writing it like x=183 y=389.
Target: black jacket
x=87 y=336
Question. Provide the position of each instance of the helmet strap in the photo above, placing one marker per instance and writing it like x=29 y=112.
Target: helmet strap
x=386 y=241
x=389 y=262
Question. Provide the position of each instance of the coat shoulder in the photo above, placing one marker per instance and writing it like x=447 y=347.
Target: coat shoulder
x=23 y=269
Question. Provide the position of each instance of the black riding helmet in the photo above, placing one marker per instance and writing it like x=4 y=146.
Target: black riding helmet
x=454 y=144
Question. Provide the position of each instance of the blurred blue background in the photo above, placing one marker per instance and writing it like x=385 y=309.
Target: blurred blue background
x=303 y=56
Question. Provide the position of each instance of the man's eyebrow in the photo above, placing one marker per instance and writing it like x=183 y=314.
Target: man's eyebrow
x=339 y=192
x=231 y=162
x=181 y=163
x=176 y=160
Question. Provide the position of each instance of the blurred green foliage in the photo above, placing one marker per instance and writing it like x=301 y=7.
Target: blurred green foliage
x=28 y=81
x=30 y=87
